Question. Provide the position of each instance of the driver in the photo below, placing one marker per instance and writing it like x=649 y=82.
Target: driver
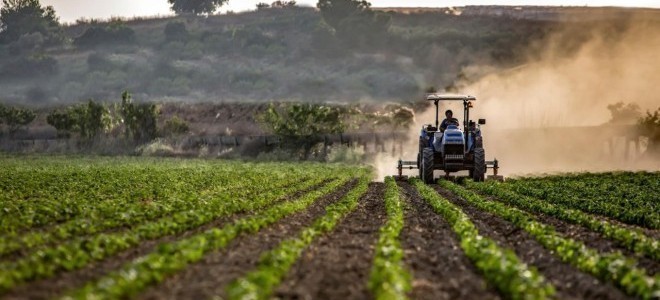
x=449 y=120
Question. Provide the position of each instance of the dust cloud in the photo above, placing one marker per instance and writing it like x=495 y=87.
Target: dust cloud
x=545 y=116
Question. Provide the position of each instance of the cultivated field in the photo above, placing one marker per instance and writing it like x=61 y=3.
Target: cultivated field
x=94 y=228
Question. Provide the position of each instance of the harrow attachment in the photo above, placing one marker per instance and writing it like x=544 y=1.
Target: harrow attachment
x=412 y=165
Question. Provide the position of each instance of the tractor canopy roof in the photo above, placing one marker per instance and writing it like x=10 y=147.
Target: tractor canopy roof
x=449 y=97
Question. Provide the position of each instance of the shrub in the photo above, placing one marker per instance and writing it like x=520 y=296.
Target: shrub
x=175 y=126
x=176 y=31
x=115 y=34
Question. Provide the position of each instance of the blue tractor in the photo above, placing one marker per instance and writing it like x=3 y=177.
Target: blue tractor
x=450 y=148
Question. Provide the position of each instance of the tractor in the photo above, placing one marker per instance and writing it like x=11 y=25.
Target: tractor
x=451 y=149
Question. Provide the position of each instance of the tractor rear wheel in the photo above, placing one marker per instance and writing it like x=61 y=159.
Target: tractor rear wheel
x=419 y=163
x=426 y=171
x=478 y=174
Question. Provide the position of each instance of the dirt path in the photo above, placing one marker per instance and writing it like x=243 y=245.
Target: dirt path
x=210 y=276
x=434 y=257
x=337 y=265
x=569 y=282
x=65 y=281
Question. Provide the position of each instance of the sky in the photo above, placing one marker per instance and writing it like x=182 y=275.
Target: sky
x=71 y=10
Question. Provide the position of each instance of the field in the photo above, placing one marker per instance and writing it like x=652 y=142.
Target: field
x=98 y=228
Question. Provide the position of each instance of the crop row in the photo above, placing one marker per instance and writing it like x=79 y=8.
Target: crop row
x=79 y=252
x=53 y=194
x=173 y=257
x=389 y=279
x=35 y=198
x=613 y=267
x=134 y=215
x=501 y=267
x=275 y=264
x=633 y=240
x=615 y=196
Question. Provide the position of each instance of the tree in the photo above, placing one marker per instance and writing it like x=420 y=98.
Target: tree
x=283 y=4
x=303 y=124
x=89 y=120
x=649 y=126
x=63 y=121
x=334 y=12
x=354 y=21
x=624 y=113
x=140 y=120
x=22 y=17
x=15 y=118
x=262 y=5
x=196 y=7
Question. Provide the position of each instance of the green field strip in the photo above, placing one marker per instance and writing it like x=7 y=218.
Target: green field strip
x=170 y=258
x=613 y=267
x=76 y=254
x=54 y=191
x=633 y=240
x=275 y=264
x=500 y=266
x=614 y=196
x=128 y=218
x=48 y=196
x=389 y=278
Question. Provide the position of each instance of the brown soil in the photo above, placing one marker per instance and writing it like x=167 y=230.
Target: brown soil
x=338 y=265
x=209 y=277
x=65 y=281
x=569 y=282
x=434 y=256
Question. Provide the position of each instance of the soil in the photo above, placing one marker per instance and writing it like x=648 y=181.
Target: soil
x=65 y=281
x=434 y=257
x=569 y=282
x=338 y=265
x=209 y=277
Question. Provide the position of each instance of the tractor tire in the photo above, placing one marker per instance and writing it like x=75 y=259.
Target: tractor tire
x=426 y=172
x=478 y=174
x=419 y=163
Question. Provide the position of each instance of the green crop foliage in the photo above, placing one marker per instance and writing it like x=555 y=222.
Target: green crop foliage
x=612 y=267
x=275 y=264
x=501 y=267
x=633 y=240
x=133 y=214
x=172 y=257
x=82 y=210
x=624 y=196
x=389 y=278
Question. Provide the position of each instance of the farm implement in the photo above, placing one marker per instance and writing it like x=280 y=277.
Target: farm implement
x=448 y=148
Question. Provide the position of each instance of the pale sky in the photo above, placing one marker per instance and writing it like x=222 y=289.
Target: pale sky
x=71 y=10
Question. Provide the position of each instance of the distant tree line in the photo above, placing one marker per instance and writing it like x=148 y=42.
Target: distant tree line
x=15 y=118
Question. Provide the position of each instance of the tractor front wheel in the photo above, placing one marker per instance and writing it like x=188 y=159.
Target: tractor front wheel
x=478 y=174
x=426 y=172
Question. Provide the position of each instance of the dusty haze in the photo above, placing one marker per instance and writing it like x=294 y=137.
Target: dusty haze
x=526 y=105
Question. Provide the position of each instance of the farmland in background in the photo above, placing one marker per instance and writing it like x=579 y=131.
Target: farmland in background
x=90 y=227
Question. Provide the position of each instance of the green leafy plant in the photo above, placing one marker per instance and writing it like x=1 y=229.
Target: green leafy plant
x=613 y=267
x=501 y=267
x=389 y=278
x=275 y=264
x=634 y=240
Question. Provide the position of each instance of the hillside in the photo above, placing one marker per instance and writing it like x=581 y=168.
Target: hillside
x=270 y=54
